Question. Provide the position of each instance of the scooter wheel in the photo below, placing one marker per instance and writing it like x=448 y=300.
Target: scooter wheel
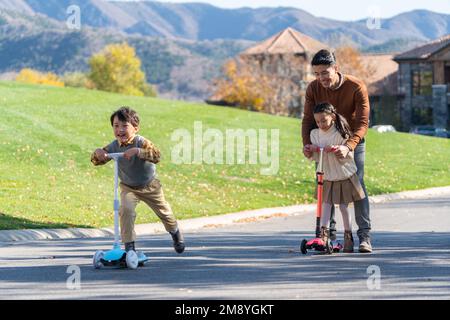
x=142 y=258
x=132 y=260
x=303 y=246
x=337 y=247
x=96 y=260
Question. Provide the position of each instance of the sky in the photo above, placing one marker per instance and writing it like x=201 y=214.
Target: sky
x=344 y=10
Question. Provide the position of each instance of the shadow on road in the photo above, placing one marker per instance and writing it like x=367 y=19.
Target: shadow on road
x=214 y=260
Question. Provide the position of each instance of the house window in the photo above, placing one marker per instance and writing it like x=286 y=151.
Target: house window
x=422 y=116
x=447 y=74
x=421 y=82
x=448 y=117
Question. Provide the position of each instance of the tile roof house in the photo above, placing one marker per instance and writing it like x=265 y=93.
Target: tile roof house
x=286 y=57
x=285 y=42
x=424 y=81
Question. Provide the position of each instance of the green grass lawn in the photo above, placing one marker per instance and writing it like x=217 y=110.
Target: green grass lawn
x=47 y=180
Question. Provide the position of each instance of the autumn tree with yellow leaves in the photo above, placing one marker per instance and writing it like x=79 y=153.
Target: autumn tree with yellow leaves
x=32 y=76
x=117 y=69
x=244 y=86
x=272 y=83
x=350 y=61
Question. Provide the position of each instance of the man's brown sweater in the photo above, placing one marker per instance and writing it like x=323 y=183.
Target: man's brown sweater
x=350 y=99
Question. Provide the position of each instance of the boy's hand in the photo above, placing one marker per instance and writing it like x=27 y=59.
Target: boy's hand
x=101 y=155
x=130 y=153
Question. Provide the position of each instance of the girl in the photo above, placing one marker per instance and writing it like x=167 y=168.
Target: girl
x=341 y=184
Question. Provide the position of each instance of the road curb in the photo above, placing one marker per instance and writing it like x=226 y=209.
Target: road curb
x=206 y=222
x=154 y=228
x=412 y=195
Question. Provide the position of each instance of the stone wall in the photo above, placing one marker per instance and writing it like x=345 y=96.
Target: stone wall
x=440 y=106
x=436 y=101
x=405 y=88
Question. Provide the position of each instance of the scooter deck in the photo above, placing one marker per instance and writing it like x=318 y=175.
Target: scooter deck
x=318 y=245
x=117 y=258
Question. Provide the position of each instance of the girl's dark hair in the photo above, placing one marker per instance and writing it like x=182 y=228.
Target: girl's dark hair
x=323 y=57
x=341 y=124
x=126 y=114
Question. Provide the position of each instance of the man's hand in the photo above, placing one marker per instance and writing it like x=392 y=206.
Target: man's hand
x=130 y=153
x=101 y=155
x=308 y=150
x=341 y=152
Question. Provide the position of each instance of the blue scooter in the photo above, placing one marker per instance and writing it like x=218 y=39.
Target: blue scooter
x=118 y=256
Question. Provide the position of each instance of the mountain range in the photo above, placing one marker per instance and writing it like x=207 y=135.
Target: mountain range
x=197 y=21
x=182 y=45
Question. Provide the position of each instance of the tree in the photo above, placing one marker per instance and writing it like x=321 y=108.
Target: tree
x=350 y=61
x=77 y=80
x=244 y=87
x=117 y=69
x=32 y=76
x=270 y=83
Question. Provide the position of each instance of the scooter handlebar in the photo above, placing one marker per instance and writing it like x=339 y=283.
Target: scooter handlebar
x=115 y=156
x=327 y=149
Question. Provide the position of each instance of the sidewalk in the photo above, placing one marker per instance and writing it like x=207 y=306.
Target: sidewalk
x=206 y=222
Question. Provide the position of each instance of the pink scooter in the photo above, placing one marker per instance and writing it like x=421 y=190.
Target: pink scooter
x=317 y=243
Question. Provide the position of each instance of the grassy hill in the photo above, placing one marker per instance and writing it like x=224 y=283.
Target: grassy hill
x=48 y=134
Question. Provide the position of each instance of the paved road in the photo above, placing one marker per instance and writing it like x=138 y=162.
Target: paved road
x=259 y=260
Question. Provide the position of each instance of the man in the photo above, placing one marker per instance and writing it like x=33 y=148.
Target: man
x=349 y=95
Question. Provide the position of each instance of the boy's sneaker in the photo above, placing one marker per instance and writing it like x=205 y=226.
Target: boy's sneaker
x=365 y=246
x=129 y=246
x=178 y=241
x=141 y=256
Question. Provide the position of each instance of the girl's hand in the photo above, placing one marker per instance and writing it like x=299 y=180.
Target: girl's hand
x=315 y=148
x=342 y=152
x=130 y=153
x=331 y=148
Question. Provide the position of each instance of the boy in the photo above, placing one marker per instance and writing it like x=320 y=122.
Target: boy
x=137 y=173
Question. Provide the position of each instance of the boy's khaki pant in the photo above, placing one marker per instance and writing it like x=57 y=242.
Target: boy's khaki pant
x=153 y=196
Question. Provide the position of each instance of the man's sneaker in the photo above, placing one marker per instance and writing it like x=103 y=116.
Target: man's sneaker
x=365 y=246
x=178 y=241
